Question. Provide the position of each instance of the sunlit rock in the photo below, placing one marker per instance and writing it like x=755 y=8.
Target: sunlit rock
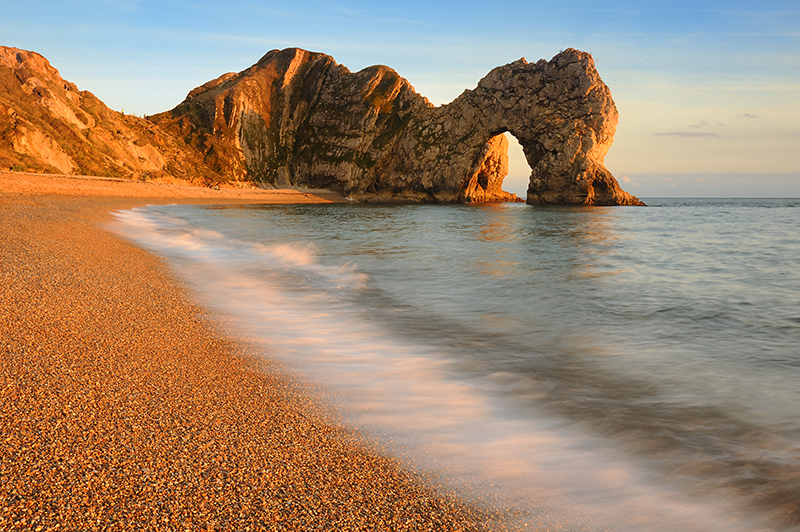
x=298 y=118
x=47 y=124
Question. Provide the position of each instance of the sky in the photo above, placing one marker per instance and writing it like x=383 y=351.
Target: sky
x=708 y=91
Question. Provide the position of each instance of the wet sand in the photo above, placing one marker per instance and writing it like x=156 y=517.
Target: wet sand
x=124 y=406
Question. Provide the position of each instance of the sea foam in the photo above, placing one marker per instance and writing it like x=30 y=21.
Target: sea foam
x=407 y=395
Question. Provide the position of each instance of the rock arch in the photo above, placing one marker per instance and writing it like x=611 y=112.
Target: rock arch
x=560 y=112
x=299 y=118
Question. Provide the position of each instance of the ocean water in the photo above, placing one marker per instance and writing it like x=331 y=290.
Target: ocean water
x=613 y=368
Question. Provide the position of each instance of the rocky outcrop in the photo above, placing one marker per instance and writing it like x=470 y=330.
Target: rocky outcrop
x=561 y=113
x=47 y=124
x=485 y=185
x=298 y=118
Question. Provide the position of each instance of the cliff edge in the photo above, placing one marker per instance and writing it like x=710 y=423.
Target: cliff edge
x=299 y=118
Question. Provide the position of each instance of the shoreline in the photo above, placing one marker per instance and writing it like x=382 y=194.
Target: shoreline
x=30 y=184
x=127 y=406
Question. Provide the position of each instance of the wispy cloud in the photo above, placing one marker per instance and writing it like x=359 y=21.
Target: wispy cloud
x=747 y=115
x=283 y=13
x=704 y=124
x=123 y=5
x=688 y=134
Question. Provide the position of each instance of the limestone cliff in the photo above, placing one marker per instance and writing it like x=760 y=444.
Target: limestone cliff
x=299 y=118
x=560 y=112
x=47 y=124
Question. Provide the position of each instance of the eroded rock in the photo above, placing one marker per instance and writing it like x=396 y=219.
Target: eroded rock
x=47 y=124
x=298 y=118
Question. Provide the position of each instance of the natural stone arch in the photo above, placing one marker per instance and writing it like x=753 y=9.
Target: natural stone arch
x=298 y=118
x=560 y=112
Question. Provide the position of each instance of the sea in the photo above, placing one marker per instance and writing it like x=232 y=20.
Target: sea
x=578 y=368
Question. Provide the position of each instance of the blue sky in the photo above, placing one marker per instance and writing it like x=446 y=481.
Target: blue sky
x=708 y=91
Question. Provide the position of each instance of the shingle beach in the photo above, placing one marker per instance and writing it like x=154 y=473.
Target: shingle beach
x=126 y=406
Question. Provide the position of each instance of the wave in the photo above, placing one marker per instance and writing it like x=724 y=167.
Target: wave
x=409 y=395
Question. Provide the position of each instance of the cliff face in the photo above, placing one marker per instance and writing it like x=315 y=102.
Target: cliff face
x=47 y=124
x=298 y=118
x=560 y=112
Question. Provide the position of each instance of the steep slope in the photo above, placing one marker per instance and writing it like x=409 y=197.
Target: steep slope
x=299 y=118
x=47 y=124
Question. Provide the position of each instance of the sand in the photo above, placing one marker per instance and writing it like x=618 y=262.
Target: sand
x=124 y=406
x=28 y=184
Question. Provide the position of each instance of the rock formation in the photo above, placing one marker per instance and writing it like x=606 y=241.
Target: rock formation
x=48 y=125
x=298 y=118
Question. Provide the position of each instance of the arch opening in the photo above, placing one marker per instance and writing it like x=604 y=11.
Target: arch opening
x=489 y=180
x=519 y=171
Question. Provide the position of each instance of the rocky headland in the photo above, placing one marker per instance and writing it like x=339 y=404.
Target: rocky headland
x=297 y=118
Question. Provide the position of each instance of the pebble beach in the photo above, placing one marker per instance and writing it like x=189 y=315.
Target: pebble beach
x=124 y=405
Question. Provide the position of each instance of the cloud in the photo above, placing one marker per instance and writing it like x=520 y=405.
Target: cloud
x=747 y=115
x=688 y=134
x=703 y=124
x=122 y=5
